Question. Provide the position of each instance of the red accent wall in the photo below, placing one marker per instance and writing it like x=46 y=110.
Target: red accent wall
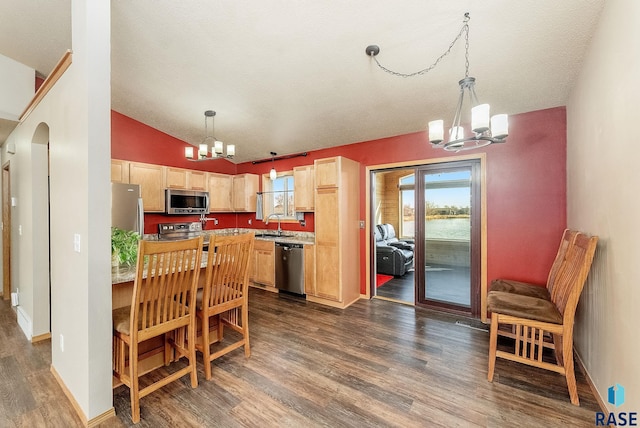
x=135 y=141
x=526 y=184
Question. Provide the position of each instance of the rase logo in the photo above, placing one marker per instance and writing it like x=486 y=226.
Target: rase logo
x=615 y=396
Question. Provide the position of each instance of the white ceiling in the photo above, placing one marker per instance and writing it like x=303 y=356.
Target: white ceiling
x=292 y=76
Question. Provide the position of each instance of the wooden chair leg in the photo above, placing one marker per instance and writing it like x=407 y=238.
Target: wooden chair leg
x=493 y=343
x=557 y=346
x=168 y=350
x=134 y=388
x=206 y=347
x=221 y=326
x=191 y=331
x=245 y=330
x=569 y=373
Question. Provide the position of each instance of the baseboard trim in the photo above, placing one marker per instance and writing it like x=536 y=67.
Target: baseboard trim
x=592 y=385
x=94 y=422
x=40 y=337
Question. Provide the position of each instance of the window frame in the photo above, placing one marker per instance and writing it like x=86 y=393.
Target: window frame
x=268 y=204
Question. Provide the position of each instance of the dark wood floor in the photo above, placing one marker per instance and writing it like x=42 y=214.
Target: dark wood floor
x=373 y=364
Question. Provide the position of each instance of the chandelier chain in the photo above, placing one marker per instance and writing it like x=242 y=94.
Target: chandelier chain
x=464 y=29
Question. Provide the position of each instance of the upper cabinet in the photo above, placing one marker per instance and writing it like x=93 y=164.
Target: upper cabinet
x=119 y=171
x=197 y=180
x=245 y=189
x=179 y=178
x=176 y=178
x=304 y=187
x=151 y=179
x=220 y=188
x=232 y=193
x=328 y=172
x=227 y=193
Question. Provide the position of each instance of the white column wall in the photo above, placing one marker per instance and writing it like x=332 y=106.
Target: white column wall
x=77 y=111
x=602 y=199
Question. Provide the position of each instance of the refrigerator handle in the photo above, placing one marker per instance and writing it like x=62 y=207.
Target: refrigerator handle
x=140 y=217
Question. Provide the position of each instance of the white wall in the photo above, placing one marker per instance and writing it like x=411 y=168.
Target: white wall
x=603 y=199
x=17 y=86
x=77 y=112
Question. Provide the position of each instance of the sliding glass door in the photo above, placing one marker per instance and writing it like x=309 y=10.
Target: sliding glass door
x=447 y=243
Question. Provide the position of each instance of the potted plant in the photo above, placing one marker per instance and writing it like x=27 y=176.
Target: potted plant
x=124 y=246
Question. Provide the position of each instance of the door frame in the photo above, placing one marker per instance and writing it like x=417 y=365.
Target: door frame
x=369 y=240
x=6 y=231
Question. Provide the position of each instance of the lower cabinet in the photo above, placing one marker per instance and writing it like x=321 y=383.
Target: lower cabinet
x=310 y=269
x=263 y=270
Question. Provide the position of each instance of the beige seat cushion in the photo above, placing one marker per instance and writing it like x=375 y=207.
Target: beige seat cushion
x=121 y=321
x=523 y=307
x=521 y=288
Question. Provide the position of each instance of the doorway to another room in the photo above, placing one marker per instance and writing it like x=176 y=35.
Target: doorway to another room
x=426 y=235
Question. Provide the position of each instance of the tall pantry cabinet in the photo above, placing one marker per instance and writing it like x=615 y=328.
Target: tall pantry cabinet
x=337 y=231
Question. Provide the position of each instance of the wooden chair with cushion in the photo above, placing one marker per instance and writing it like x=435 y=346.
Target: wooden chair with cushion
x=534 y=317
x=225 y=293
x=538 y=290
x=162 y=304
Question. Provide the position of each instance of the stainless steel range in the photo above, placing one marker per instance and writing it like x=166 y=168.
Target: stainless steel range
x=178 y=231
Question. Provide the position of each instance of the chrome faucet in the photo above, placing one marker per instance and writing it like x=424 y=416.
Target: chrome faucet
x=279 y=216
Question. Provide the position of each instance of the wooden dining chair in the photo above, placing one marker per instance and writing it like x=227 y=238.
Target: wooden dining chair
x=162 y=304
x=225 y=293
x=534 y=317
x=538 y=290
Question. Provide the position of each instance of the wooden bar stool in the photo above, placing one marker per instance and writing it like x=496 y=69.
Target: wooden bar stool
x=163 y=304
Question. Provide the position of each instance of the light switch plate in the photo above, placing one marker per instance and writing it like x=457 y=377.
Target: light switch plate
x=361 y=224
x=76 y=242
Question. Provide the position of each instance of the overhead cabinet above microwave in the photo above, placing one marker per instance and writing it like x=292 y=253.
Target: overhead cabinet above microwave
x=227 y=193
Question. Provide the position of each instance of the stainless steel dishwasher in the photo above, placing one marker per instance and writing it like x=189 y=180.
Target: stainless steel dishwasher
x=290 y=267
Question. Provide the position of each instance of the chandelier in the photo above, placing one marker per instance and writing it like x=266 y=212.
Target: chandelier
x=210 y=142
x=485 y=130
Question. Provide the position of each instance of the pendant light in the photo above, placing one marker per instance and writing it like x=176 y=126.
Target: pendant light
x=486 y=130
x=273 y=174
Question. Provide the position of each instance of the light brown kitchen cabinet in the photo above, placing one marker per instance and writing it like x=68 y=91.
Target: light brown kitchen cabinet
x=327 y=172
x=220 y=190
x=304 y=188
x=263 y=269
x=119 y=171
x=310 y=269
x=176 y=178
x=197 y=180
x=152 y=183
x=245 y=188
x=180 y=178
x=337 y=249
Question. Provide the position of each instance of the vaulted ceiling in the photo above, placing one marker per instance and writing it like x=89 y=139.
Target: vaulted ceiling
x=291 y=76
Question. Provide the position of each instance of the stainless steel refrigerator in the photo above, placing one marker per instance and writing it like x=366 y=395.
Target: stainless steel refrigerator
x=126 y=207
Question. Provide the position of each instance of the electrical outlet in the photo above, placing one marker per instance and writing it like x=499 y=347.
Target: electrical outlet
x=61 y=343
x=76 y=242
x=361 y=224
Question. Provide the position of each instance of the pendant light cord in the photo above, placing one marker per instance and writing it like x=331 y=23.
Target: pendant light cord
x=464 y=30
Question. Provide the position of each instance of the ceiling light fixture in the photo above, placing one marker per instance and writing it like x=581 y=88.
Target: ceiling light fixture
x=210 y=141
x=485 y=130
x=273 y=174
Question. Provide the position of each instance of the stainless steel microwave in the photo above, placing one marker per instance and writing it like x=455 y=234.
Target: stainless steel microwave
x=186 y=201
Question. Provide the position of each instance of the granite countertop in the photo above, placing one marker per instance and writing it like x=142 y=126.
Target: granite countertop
x=287 y=237
x=122 y=274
